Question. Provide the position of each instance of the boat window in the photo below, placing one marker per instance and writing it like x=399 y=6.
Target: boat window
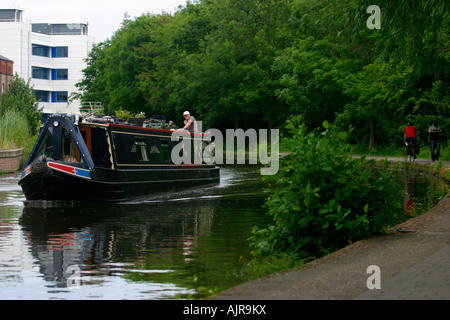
x=141 y=149
x=97 y=139
x=46 y=147
x=86 y=134
x=165 y=150
x=69 y=148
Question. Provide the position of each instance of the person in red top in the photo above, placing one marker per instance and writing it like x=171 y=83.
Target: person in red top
x=410 y=132
x=410 y=135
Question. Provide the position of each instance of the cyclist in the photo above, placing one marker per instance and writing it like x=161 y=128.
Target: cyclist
x=410 y=135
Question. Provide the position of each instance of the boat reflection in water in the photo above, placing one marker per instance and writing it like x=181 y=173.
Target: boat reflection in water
x=157 y=245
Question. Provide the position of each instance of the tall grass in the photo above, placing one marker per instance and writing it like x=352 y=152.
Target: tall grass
x=14 y=131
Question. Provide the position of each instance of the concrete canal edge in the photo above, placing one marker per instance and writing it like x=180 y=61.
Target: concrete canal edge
x=412 y=265
x=440 y=169
x=10 y=160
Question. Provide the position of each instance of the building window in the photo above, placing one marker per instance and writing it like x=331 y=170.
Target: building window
x=59 y=96
x=41 y=95
x=39 y=73
x=60 y=74
x=60 y=52
x=38 y=50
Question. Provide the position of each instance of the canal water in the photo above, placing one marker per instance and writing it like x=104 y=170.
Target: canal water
x=173 y=246
x=157 y=248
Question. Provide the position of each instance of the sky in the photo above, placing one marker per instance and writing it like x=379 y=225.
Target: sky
x=103 y=16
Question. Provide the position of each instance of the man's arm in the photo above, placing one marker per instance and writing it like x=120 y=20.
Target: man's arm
x=187 y=125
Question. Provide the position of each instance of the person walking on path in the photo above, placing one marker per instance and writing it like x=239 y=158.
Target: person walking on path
x=434 y=139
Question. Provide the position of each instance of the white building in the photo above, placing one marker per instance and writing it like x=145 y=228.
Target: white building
x=50 y=55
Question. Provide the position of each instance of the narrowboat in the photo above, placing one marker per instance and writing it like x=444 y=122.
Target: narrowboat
x=101 y=159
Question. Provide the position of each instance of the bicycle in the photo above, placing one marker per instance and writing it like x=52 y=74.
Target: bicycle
x=412 y=149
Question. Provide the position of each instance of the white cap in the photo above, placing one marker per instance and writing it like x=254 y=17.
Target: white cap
x=186 y=113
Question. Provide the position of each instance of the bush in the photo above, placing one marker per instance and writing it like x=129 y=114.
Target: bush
x=324 y=199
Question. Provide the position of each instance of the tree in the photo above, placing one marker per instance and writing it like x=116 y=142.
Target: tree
x=313 y=78
x=229 y=80
x=164 y=60
x=93 y=85
x=407 y=76
x=252 y=63
x=380 y=90
x=405 y=24
x=113 y=66
x=312 y=71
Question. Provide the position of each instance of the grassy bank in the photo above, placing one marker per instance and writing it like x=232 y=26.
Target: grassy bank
x=13 y=130
x=15 y=133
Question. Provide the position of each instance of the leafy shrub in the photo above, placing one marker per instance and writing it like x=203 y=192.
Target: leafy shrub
x=324 y=199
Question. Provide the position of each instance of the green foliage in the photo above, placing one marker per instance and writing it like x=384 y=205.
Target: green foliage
x=93 y=86
x=113 y=66
x=388 y=95
x=312 y=71
x=324 y=199
x=252 y=63
x=379 y=91
x=406 y=25
x=123 y=114
x=312 y=80
x=260 y=266
x=200 y=291
x=20 y=100
x=230 y=81
x=439 y=169
x=425 y=203
x=407 y=79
